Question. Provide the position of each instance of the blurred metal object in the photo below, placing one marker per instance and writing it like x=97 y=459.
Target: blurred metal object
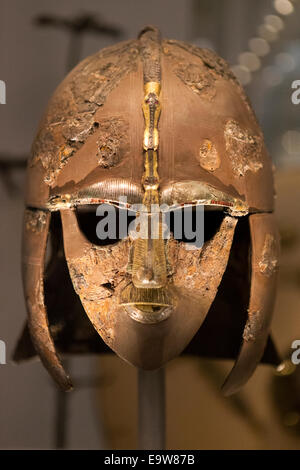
x=8 y=165
x=79 y=23
x=239 y=403
x=77 y=26
x=60 y=428
x=285 y=392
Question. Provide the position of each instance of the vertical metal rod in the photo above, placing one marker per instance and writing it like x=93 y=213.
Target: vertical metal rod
x=60 y=425
x=74 y=50
x=61 y=415
x=151 y=413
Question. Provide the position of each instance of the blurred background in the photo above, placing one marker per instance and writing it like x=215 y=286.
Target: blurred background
x=39 y=42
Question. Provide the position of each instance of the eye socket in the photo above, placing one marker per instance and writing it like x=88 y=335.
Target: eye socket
x=182 y=223
x=109 y=224
x=104 y=226
x=212 y=222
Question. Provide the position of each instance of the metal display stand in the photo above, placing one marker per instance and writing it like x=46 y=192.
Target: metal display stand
x=151 y=409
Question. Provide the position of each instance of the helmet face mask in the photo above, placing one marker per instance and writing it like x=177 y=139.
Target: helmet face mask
x=149 y=128
x=102 y=277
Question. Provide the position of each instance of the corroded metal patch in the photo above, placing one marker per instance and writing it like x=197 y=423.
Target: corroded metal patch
x=113 y=135
x=253 y=325
x=197 y=79
x=35 y=220
x=200 y=271
x=199 y=76
x=97 y=277
x=72 y=111
x=209 y=58
x=215 y=66
x=208 y=156
x=269 y=262
x=244 y=149
x=96 y=274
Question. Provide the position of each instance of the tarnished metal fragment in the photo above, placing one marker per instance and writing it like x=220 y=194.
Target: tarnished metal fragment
x=97 y=273
x=194 y=74
x=208 y=156
x=200 y=271
x=244 y=149
x=253 y=325
x=269 y=261
x=217 y=66
x=200 y=81
x=208 y=57
x=112 y=135
x=35 y=220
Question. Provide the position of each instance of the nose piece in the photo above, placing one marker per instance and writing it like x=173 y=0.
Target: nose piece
x=146 y=305
x=149 y=263
x=146 y=313
x=145 y=274
x=145 y=278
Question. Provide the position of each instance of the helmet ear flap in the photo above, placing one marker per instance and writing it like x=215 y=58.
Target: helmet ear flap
x=264 y=264
x=34 y=243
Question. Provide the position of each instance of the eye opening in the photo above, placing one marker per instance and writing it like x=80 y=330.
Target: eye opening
x=118 y=219
x=212 y=219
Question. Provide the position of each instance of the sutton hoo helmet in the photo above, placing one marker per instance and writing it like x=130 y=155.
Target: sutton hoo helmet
x=160 y=124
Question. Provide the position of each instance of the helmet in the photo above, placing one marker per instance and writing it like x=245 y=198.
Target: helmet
x=149 y=127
